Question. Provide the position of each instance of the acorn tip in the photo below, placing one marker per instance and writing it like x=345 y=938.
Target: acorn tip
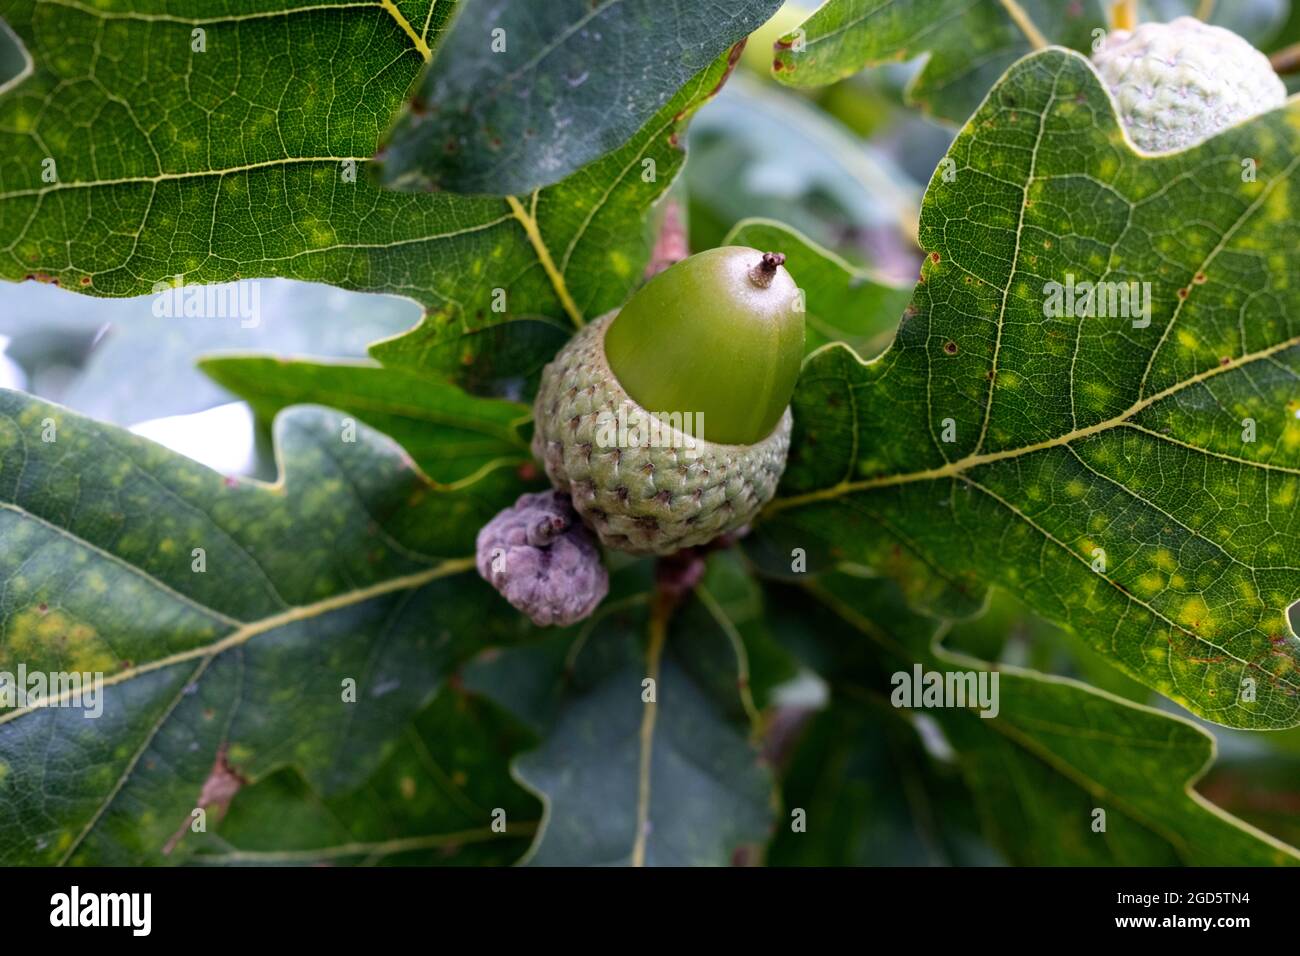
x=761 y=275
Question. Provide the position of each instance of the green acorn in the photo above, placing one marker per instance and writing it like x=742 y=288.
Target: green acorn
x=668 y=422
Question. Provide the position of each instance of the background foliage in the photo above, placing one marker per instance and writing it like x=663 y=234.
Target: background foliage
x=555 y=167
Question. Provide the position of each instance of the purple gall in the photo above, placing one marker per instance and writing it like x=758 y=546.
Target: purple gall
x=543 y=560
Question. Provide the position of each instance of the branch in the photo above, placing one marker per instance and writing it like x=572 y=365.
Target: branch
x=1286 y=60
x=1027 y=27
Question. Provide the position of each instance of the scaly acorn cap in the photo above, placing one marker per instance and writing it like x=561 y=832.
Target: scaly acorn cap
x=719 y=334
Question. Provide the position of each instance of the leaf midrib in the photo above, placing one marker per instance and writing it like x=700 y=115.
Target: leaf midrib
x=250 y=630
x=956 y=468
x=375 y=850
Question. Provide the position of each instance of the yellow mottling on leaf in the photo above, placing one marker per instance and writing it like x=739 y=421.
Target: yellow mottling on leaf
x=1076 y=488
x=1285 y=495
x=1098 y=391
x=238 y=754
x=35 y=634
x=1164 y=560
x=1151 y=583
x=619 y=263
x=1277 y=207
x=1195 y=614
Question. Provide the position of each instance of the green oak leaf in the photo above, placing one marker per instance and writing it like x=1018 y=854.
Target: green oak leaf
x=671 y=782
x=499 y=358
x=182 y=175
x=588 y=238
x=523 y=94
x=872 y=796
x=1054 y=753
x=1100 y=468
x=351 y=566
x=432 y=802
x=968 y=44
x=842 y=302
x=454 y=438
x=749 y=668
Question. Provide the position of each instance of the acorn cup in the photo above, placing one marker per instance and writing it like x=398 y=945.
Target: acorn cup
x=668 y=422
x=1176 y=84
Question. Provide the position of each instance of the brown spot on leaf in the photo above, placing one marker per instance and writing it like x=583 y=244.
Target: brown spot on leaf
x=223 y=782
x=732 y=59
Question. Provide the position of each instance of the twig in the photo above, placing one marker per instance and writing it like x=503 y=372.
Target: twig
x=1205 y=10
x=1286 y=60
x=660 y=611
x=671 y=245
x=1017 y=13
